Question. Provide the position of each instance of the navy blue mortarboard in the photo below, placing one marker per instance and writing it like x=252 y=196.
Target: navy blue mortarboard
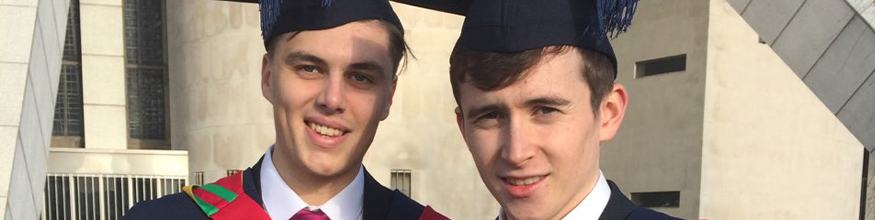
x=283 y=16
x=511 y=26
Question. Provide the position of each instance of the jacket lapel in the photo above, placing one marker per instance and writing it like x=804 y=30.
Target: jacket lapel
x=252 y=182
x=619 y=207
x=378 y=199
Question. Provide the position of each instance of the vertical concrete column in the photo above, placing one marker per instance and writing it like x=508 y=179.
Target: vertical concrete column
x=29 y=71
x=17 y=24
x=870 y=188
x=103 y=73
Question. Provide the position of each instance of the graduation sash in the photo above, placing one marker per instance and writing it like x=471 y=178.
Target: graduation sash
x=225 y=199
x=430 y=214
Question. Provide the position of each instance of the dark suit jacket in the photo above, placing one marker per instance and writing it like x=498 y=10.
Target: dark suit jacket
x=619 y=207
x=380 y=202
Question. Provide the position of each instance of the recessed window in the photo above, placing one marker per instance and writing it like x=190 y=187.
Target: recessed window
x=661 y=65
x=401 y=180
x=145 y=70
x=68 y=108
x=231 y=172
x=657 y=199
x=198 y=178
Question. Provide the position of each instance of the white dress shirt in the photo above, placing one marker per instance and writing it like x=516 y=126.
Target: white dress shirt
x=591 y=207
x=282 y=202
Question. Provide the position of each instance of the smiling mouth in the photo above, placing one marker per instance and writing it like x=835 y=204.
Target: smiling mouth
x=523 y=181
x=325 y=130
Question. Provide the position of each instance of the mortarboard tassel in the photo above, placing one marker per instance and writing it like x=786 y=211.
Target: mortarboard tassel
x=326 y=3
x=616 y=15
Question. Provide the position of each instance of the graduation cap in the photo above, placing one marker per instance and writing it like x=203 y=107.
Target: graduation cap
x=511 y=26
x=283 y=16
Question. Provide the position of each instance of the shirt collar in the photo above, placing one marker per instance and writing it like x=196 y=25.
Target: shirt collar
x=281 y=202
x=591 y=207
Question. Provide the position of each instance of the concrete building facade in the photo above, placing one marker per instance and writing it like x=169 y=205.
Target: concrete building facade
x=79 y=160
x=736 y=134
x=690 y=135
x=723 y=122
x=30 y=61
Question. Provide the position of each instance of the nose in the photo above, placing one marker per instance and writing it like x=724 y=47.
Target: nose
x=519 y=146
x=331 y=100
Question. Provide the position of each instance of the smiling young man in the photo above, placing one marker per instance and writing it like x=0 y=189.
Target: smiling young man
x=330 y=75
x=534 y=81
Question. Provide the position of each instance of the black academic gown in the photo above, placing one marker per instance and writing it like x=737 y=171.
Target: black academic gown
x=619 y=207
x=380 y=202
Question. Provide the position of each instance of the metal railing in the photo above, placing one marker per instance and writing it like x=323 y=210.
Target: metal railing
x=102 y=196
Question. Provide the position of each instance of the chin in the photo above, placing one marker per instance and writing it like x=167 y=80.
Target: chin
x=326 y=165
x=526 y=215
x=527 y=209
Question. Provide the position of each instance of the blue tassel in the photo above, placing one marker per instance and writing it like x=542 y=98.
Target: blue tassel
x=616 y=15
x=326 y=3
x=270 y=10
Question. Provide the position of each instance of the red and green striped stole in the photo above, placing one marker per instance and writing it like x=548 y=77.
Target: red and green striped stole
x=225 y=199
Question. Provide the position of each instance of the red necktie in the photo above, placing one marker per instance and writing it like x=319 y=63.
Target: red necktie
x=305 y=214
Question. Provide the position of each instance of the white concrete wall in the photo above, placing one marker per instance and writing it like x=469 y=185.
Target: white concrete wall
x=119 y=161
x=221 y=118
x=32 y=38
x=103 y=78
x=771 y=149
x=214 y=59
x=658 y=147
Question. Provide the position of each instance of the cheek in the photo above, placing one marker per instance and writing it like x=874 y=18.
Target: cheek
x=571 y=143
x=296 y=93
x=484 y=146
x=363 y=106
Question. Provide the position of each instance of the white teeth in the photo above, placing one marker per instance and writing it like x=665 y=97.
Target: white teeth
x=526 y=181
x=325 y=130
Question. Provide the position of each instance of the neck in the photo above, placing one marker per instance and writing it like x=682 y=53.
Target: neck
x=575 y=201
x=313 y=188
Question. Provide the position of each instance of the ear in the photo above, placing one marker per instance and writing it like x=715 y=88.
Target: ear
x=266 y=89
x=612 y=110
x=460 y=120
x=389 y=102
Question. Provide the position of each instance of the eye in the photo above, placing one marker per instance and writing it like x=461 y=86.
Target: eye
x=361 y=78
x=490 y=115
x=488 y=120
x=307 y=68
x=544 y=110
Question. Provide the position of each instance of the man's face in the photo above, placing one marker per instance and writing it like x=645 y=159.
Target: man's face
x=329 y=89
x=535 y=142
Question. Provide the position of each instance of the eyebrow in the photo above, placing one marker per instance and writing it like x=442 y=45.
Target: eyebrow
x=298 y=56
x=477 y=110
x=368 y=66
x=547 y=100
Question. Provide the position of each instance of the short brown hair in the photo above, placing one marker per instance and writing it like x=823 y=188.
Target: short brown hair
x=398 y=47
x=490 y=71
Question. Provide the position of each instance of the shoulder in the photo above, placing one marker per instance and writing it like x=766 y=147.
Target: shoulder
x=620 y=207
x=174 y=206
x=402 y=203
x=383 y=203
x=645 y=213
